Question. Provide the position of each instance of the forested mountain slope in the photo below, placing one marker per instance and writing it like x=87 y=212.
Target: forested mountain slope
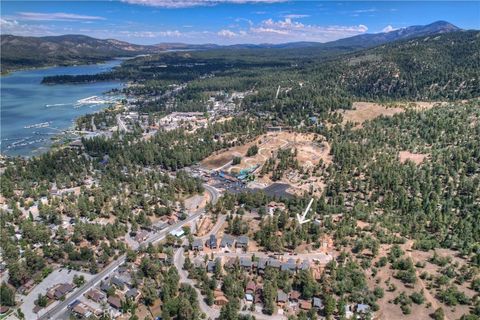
x=27 y=52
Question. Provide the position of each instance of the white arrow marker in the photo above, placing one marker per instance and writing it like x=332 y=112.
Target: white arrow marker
x=301 y=219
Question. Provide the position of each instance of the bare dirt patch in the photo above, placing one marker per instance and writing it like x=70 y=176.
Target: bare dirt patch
x=416 y=158
x=309 y=151
x=364 y=111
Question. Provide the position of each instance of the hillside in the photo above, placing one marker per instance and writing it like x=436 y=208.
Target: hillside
x=26 y=52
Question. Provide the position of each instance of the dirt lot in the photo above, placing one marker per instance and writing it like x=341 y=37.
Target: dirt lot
x=311 y=149
x=416 y=158
x=363 y=111
x=309 y=152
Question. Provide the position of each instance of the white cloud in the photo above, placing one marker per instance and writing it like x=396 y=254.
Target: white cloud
x=12 y=26
x=296 y=16
x=388 y=28
x=289 y=30
x=5 y=23
x=152 y=34
x=366 y=10
x=226 y=33
x=57 y=16
x=174 y=4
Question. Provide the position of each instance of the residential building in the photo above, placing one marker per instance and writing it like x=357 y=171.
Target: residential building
x=212 y=242
x=115 y=302
x=242 y=242
x=282 y=298
x=95 y=295
x=317 y=303
x=197 y=245
x=227 y=241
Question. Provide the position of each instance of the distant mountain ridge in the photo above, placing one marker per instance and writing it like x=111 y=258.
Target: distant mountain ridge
x=27 y=52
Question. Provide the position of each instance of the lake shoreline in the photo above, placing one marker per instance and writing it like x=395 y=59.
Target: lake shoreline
x=26 y=104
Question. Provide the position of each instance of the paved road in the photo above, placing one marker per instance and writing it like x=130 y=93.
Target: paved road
x=178 y=261
x=53 y=313
x=121 y=124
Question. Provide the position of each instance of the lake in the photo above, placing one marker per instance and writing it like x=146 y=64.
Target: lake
x=33 y=113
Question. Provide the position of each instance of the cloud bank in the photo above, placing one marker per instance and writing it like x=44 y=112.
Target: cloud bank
x=175 y=4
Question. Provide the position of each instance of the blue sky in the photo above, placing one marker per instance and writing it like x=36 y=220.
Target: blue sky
x=227 y=21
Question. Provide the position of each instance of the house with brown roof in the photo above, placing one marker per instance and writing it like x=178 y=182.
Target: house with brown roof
x=59 y=291
x=115 y=302
x=133 y=294
x=219 y=298
x=95 y=295
x=305 y=305
x=141 y=236
x=294 y=296
x=250 y=288
x=82 y=311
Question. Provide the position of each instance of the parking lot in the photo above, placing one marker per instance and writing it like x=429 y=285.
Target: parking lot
x=57 y=276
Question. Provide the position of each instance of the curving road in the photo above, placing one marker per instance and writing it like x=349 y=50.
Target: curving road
x=56 y=310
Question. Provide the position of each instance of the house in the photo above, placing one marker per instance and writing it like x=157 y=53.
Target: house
x=363 y=308
x=126 y=278
x=212 y=242
x=294 y=295
x=82 y=311
x=178 y=233
x=227 y=241
x=282 y=298
x=133 y=294
x=141 y=236
x=317 y=303
x=242 y=242
x=289 y=266
x=115 y=302
x=105 y=286
x=219 y=298
x=95 y=295
x=163 y=257
x=251 y=287
x=274 y=263
x=261 y=265
x=211 y=266
x=197 y=245
x=246 y=263
x=305 y=305
x=117 y=282
x=59 y=291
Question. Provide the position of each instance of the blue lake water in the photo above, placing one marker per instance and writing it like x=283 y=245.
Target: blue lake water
x=33 y=113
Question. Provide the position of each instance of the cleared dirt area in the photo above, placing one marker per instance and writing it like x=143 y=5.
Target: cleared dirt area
x=310 y=148
x=364 y=111
x=309 y=151
x=416 y=158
